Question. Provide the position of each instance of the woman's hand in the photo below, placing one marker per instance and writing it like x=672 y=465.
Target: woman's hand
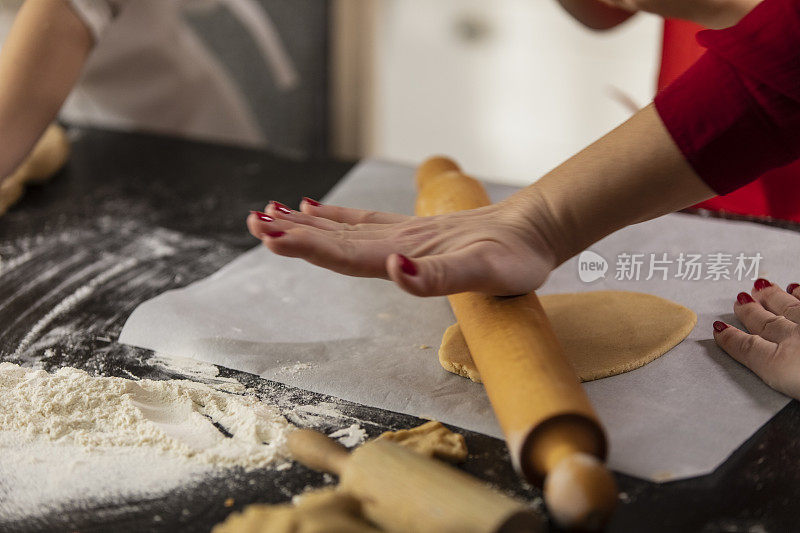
x=495 y=249
x=632 y=174
x=772 y=348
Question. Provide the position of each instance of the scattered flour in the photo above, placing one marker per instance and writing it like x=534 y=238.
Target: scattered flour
x=175 y=416
x=350 y=436
x=196 y=371
x=296 y=368
x=71 y=301
x=69 y=436
x=316 y=414
x=43 y=477
x=10 y=264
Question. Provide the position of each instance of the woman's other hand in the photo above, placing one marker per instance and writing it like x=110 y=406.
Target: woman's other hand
x=772 y=348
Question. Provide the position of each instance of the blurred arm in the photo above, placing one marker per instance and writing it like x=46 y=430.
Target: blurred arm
x=710 y=13
x=40 y=63
x=595 y=14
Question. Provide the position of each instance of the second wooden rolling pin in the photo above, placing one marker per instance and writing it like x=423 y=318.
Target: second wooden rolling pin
x=553 y=434
x=406 y=492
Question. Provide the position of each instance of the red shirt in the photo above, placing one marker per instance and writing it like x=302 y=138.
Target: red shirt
x=735 y=113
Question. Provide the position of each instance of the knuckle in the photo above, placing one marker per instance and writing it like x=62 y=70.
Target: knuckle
x=437 y=277
x=772 y=322
x=347 y=249
x=770 y=369
x=747 y=344
x=411 y=235
x=368 y=217
x=345 y=228
x=791 y=309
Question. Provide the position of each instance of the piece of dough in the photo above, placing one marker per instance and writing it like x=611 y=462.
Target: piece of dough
x=47 y=157
x=320 y=511
x=603 y=333
x=431 y=439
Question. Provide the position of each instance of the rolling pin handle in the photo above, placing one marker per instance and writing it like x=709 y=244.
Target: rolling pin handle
x=580 y=493
x=318 y=451
x=432 y=167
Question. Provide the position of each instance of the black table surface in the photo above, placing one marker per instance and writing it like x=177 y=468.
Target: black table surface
x=119 y=187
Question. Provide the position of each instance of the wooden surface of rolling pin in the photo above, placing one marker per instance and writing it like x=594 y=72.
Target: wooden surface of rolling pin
x=403 y=491
x=552 y=431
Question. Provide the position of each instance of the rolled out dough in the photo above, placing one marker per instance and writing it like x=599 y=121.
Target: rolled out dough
x=431 y=439
x=603 y=333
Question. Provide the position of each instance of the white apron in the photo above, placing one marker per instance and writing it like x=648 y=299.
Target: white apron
x=148 y=71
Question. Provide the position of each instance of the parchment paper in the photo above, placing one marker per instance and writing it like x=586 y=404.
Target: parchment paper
x=365 y=341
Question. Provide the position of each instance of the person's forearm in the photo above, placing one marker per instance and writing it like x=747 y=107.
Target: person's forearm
x=40 y=62
x=710 y=13
x=633 y=174
x=594 y=14
x=720 y=13
x=731 y=117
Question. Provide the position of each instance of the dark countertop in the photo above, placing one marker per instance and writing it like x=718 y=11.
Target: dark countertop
x=118 y=187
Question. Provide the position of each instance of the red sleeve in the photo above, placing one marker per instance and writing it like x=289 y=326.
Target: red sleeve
x=736 y=112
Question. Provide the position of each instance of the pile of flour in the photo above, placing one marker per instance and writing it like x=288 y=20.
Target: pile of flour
x=68 y=436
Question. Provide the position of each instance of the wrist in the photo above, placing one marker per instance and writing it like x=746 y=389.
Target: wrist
x=530 y=210
x=632 y=174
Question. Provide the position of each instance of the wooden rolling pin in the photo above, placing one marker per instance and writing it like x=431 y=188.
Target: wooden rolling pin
x=553 y=434
x=403 y=491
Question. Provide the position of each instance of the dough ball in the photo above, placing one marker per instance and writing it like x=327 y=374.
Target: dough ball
x=47 y=157
x=431 y=439
x=603 y=333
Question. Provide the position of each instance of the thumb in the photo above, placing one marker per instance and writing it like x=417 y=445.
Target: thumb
x=439 y=275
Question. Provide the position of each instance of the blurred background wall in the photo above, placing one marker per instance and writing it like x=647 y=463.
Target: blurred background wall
x=294 y=119
x=510 y=88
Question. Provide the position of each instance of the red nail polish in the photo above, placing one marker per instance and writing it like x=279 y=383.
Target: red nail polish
x=311 y=202
x=719 y=326
x=407 y=265
x=263 y=217
x=761 y=284
x=275 y=234
x=792 y=286
x=281 y=208
x=744 y=298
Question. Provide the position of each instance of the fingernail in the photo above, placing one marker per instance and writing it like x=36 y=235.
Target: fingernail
x=309 y=201
x=274 y=234
x=791 y=287
x=282 y=208
x=719 y=326
x=407 y=265
x=761 y=284
x=263 y=217
x=744 y=298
